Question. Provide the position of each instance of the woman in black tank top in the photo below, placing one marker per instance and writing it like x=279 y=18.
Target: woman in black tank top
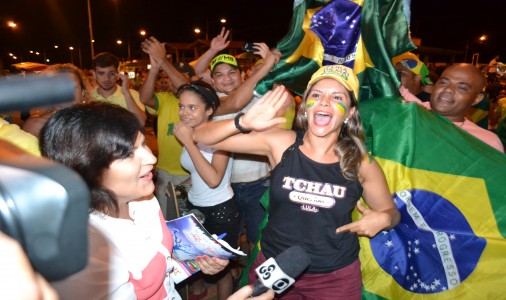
x=318 y=176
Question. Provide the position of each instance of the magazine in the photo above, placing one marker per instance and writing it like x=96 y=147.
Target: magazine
x=191 y=239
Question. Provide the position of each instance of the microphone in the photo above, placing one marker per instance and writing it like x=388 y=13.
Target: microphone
x=23 y=93
x=280 y=273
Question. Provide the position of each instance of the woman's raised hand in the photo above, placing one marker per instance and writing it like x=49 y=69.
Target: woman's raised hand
x=262 y=115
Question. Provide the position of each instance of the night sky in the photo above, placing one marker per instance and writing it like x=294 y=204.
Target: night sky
x=43 y=23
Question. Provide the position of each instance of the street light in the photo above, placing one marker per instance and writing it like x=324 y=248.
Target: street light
x=71 y=54
x=120 y=43
x=480 y=39
x=198 y=31
x=223 y=21
x=142 y=33
x=78 y=53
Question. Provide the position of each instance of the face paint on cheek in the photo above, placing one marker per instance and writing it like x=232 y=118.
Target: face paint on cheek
x=341 y=107
x=310 y=103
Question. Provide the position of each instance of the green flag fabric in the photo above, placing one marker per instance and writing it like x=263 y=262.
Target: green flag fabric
x=362 y=35
x=341 y=32
x=447 y=184
x=449 y=188
x=301 y=51
x=385 y=34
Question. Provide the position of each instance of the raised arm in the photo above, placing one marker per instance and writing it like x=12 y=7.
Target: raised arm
x=218 y=43
x=156 y=51
x=131 y=104
x=211 y=172
x=408 y=97
x=243 y=95
x=147 y=90
x=259 y=117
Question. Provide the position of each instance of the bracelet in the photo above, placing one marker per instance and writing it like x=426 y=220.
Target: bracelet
x=236 y=122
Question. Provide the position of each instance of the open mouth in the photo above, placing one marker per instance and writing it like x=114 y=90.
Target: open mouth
x=322 y=119
x=148 y=175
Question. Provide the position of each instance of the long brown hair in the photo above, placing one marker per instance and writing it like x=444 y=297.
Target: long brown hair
x=350 y=145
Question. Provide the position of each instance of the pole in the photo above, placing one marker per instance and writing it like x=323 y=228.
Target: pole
x=91 y=31
x=80 y=57
x=128 y=47
x=467 y=49
x=207 y=28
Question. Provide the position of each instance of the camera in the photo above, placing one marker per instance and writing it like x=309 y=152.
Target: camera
x=248 y=47
x=43 y=205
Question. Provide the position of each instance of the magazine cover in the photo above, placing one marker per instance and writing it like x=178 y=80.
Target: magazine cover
x=191 y=239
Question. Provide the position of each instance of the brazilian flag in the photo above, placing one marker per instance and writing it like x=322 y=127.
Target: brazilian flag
x=362 y=35
x=480 y=112
x=448 y=185
x=450 y=190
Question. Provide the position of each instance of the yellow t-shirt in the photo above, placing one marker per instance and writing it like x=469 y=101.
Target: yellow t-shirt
x=169 y=148
x=22 y=139
x=118 y=98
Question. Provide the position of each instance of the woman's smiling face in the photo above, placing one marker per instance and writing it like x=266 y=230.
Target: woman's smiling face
x=328 y=104
x=192 y=109
x=131 y=178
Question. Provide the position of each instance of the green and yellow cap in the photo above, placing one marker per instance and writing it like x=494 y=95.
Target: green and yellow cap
x=224 y=58
x=413 y=63
x=340 y=73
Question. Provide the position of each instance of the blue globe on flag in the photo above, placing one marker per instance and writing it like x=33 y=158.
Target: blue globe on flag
x=432 y=249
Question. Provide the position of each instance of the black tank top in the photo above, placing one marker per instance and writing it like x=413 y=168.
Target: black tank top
x=308 y=202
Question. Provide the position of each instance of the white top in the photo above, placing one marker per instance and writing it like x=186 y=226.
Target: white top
x=128 y=259
x=200 y=193
x=247 y=167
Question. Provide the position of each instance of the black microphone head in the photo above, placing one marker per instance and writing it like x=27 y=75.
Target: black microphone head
x=280 y=273
x=25 y=92
x=293 y=261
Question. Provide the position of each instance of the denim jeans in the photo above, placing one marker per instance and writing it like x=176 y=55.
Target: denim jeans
x=247 y=196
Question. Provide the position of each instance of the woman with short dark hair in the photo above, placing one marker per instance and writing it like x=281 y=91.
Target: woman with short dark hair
x=130 y=246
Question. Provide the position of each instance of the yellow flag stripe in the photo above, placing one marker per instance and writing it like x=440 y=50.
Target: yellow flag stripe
x=486 y=281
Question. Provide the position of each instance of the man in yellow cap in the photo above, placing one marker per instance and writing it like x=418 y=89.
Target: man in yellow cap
x=414 y=75
x=250 y=173
x=226 y=74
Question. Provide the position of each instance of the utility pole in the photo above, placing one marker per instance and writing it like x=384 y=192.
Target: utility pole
x=91 y=31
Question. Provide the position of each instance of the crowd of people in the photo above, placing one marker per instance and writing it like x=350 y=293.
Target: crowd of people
x=230 y=147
